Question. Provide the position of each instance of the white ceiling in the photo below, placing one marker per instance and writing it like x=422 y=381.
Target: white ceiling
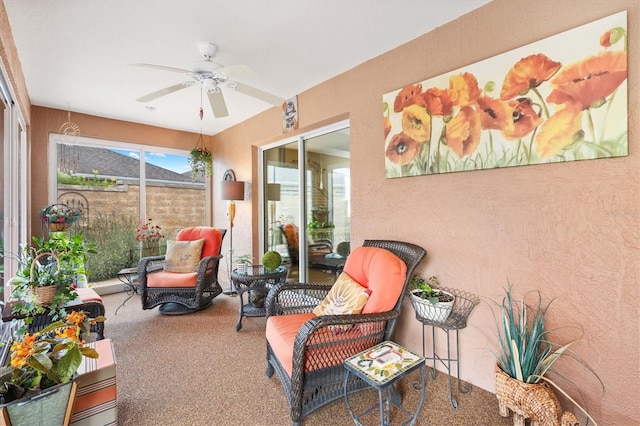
x=77 y=54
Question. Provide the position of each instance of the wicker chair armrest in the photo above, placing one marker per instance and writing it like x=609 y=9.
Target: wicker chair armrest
x=295 y=297
x=208 y=263
x=149 y=265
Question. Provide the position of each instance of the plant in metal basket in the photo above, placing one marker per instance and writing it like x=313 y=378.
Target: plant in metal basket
x=526 y=352
x=429 y=302
x=424 y=289
x=60 y=213
x=46 y=358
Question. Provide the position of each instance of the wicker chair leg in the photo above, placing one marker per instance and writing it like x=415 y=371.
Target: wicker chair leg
x=269 y=370
x=518 y=420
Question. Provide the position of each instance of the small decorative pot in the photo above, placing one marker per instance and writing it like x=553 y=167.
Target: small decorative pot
x=242 y=268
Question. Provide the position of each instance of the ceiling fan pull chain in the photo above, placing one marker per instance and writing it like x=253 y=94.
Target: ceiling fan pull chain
x=201 y=110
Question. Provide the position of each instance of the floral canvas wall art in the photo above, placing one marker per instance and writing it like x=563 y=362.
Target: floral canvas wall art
x=563 y=98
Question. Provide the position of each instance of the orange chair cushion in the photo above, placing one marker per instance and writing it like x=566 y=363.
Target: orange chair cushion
x=291 y=234
x=380 y=271
x=171 y=279
x=88 y=295
x=212 y=238
x=281 y=333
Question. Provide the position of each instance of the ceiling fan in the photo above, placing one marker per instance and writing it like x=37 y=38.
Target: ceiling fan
x=211 y=76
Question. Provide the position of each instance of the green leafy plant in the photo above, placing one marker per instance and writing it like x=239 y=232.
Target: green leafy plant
x=57 y=261
x=113 y=236
x=201 y=162
x=46 y=358
x=426 y=290
x=245 y=259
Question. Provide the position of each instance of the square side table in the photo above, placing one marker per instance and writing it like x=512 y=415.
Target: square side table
x=382 y=375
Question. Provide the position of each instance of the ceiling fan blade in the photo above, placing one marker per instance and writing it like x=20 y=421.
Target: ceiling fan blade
x=236 y=70
x=257 y=93
x=165 y=91
x=163 y=68
x=218 y=105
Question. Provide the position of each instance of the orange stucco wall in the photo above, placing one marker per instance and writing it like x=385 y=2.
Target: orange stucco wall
x=570 y=230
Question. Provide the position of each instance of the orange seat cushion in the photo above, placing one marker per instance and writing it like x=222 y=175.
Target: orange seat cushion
x=325 y=348
x=88 y=295
x=171 y=279
x=212 y=238
x=281 y=332
x=380 y=271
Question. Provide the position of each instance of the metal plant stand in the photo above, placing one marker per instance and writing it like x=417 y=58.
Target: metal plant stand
x=455 y=321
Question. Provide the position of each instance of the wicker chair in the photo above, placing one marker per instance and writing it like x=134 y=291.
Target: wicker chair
x=317 y=373
x=183 y=293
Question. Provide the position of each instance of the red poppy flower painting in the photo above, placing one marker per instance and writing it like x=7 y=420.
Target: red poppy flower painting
x=563 y=98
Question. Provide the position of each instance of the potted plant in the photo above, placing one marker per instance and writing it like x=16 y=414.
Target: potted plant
x=149 y=236
x=47 y=275
x=242 y=262
x=41 y=283
x=69 y=249
x=430 y=303
x=41 y=370
x=60 y=216
x=201 y=162
x=525 y=358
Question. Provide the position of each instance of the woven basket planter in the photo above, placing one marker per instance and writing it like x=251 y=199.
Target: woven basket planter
x=534 y=401
x=43 y=295
x=425 y=309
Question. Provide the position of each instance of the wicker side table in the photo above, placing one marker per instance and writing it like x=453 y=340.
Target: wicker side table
x=455 y=321
x=257 y=279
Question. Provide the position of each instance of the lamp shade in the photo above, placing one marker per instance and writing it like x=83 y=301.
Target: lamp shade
x=273 y=192
x=231 y=190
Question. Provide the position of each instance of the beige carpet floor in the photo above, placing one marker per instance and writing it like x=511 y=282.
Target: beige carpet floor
x=197 y=370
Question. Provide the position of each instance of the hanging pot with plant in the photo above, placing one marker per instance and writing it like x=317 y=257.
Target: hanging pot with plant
x=200 y=160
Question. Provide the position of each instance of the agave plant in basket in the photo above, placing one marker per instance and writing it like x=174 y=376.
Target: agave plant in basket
x=526 y=352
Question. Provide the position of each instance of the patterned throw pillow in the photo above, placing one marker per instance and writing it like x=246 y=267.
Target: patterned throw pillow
x=345 y=297
x=183 y=256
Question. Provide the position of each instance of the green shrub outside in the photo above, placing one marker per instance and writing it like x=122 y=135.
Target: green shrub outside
x=115 y=239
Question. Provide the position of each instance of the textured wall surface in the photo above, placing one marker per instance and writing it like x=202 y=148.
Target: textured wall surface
x=570 y=230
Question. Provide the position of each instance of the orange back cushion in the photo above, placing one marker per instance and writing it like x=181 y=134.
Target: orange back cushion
x=380 y=271
x=212 y=238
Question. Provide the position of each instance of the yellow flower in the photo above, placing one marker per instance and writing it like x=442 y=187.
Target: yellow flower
x=76 y=317
x=416 y=122
x=559 y=131
x=464 y=131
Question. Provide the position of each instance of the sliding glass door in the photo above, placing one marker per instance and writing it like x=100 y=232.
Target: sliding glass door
x=307 y=213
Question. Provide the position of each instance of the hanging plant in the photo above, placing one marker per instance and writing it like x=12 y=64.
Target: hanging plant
x=201 y=162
